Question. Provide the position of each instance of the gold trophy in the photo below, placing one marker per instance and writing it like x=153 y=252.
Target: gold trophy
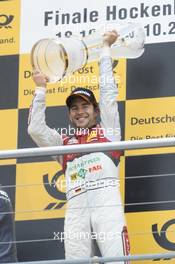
x=60 y=58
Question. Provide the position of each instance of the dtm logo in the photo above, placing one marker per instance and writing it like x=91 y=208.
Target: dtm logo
x=161 y=238
x=52 y=190
x=5 y=21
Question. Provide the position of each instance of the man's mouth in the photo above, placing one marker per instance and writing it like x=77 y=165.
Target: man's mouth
x=81 y=119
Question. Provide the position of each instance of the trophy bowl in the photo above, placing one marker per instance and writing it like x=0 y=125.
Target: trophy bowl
x=57 y=59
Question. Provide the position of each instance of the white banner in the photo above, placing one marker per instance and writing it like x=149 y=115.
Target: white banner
x=48 y=19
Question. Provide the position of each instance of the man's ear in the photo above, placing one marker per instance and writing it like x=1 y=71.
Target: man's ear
x=70 y=118
x=97 y=109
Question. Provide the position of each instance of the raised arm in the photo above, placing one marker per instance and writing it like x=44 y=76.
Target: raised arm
x=41 y=134
x=110 y=120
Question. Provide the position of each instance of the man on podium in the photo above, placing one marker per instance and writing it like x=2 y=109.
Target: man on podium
x=94 y=205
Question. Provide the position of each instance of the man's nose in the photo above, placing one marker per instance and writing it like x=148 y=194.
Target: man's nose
x=80 y=110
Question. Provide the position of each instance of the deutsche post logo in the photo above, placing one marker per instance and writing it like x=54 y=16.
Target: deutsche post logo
x=6 y=20
x=161 y=237
x=52 y=188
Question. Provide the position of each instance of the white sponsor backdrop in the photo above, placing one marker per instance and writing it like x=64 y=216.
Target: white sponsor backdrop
x=53 y=18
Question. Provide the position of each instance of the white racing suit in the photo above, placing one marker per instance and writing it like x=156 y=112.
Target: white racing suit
x=94 y=209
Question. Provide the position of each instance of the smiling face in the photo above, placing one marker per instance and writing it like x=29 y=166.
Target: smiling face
x=82 y=113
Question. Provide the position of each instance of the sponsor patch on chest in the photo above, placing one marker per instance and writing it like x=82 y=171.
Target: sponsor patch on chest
x=95 y=168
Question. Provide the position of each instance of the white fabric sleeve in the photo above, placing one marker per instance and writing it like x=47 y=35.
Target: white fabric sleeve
x=105 y=52
x=42 y=135
x=110 y=120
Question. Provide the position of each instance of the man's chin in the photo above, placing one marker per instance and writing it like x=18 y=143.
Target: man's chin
x=83 y=125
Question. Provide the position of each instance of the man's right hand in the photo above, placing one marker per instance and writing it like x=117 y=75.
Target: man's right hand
x=109 y=38
x=40 y=79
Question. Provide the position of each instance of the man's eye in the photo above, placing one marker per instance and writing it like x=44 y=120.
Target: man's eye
x=73 y=108
x=85 y=106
